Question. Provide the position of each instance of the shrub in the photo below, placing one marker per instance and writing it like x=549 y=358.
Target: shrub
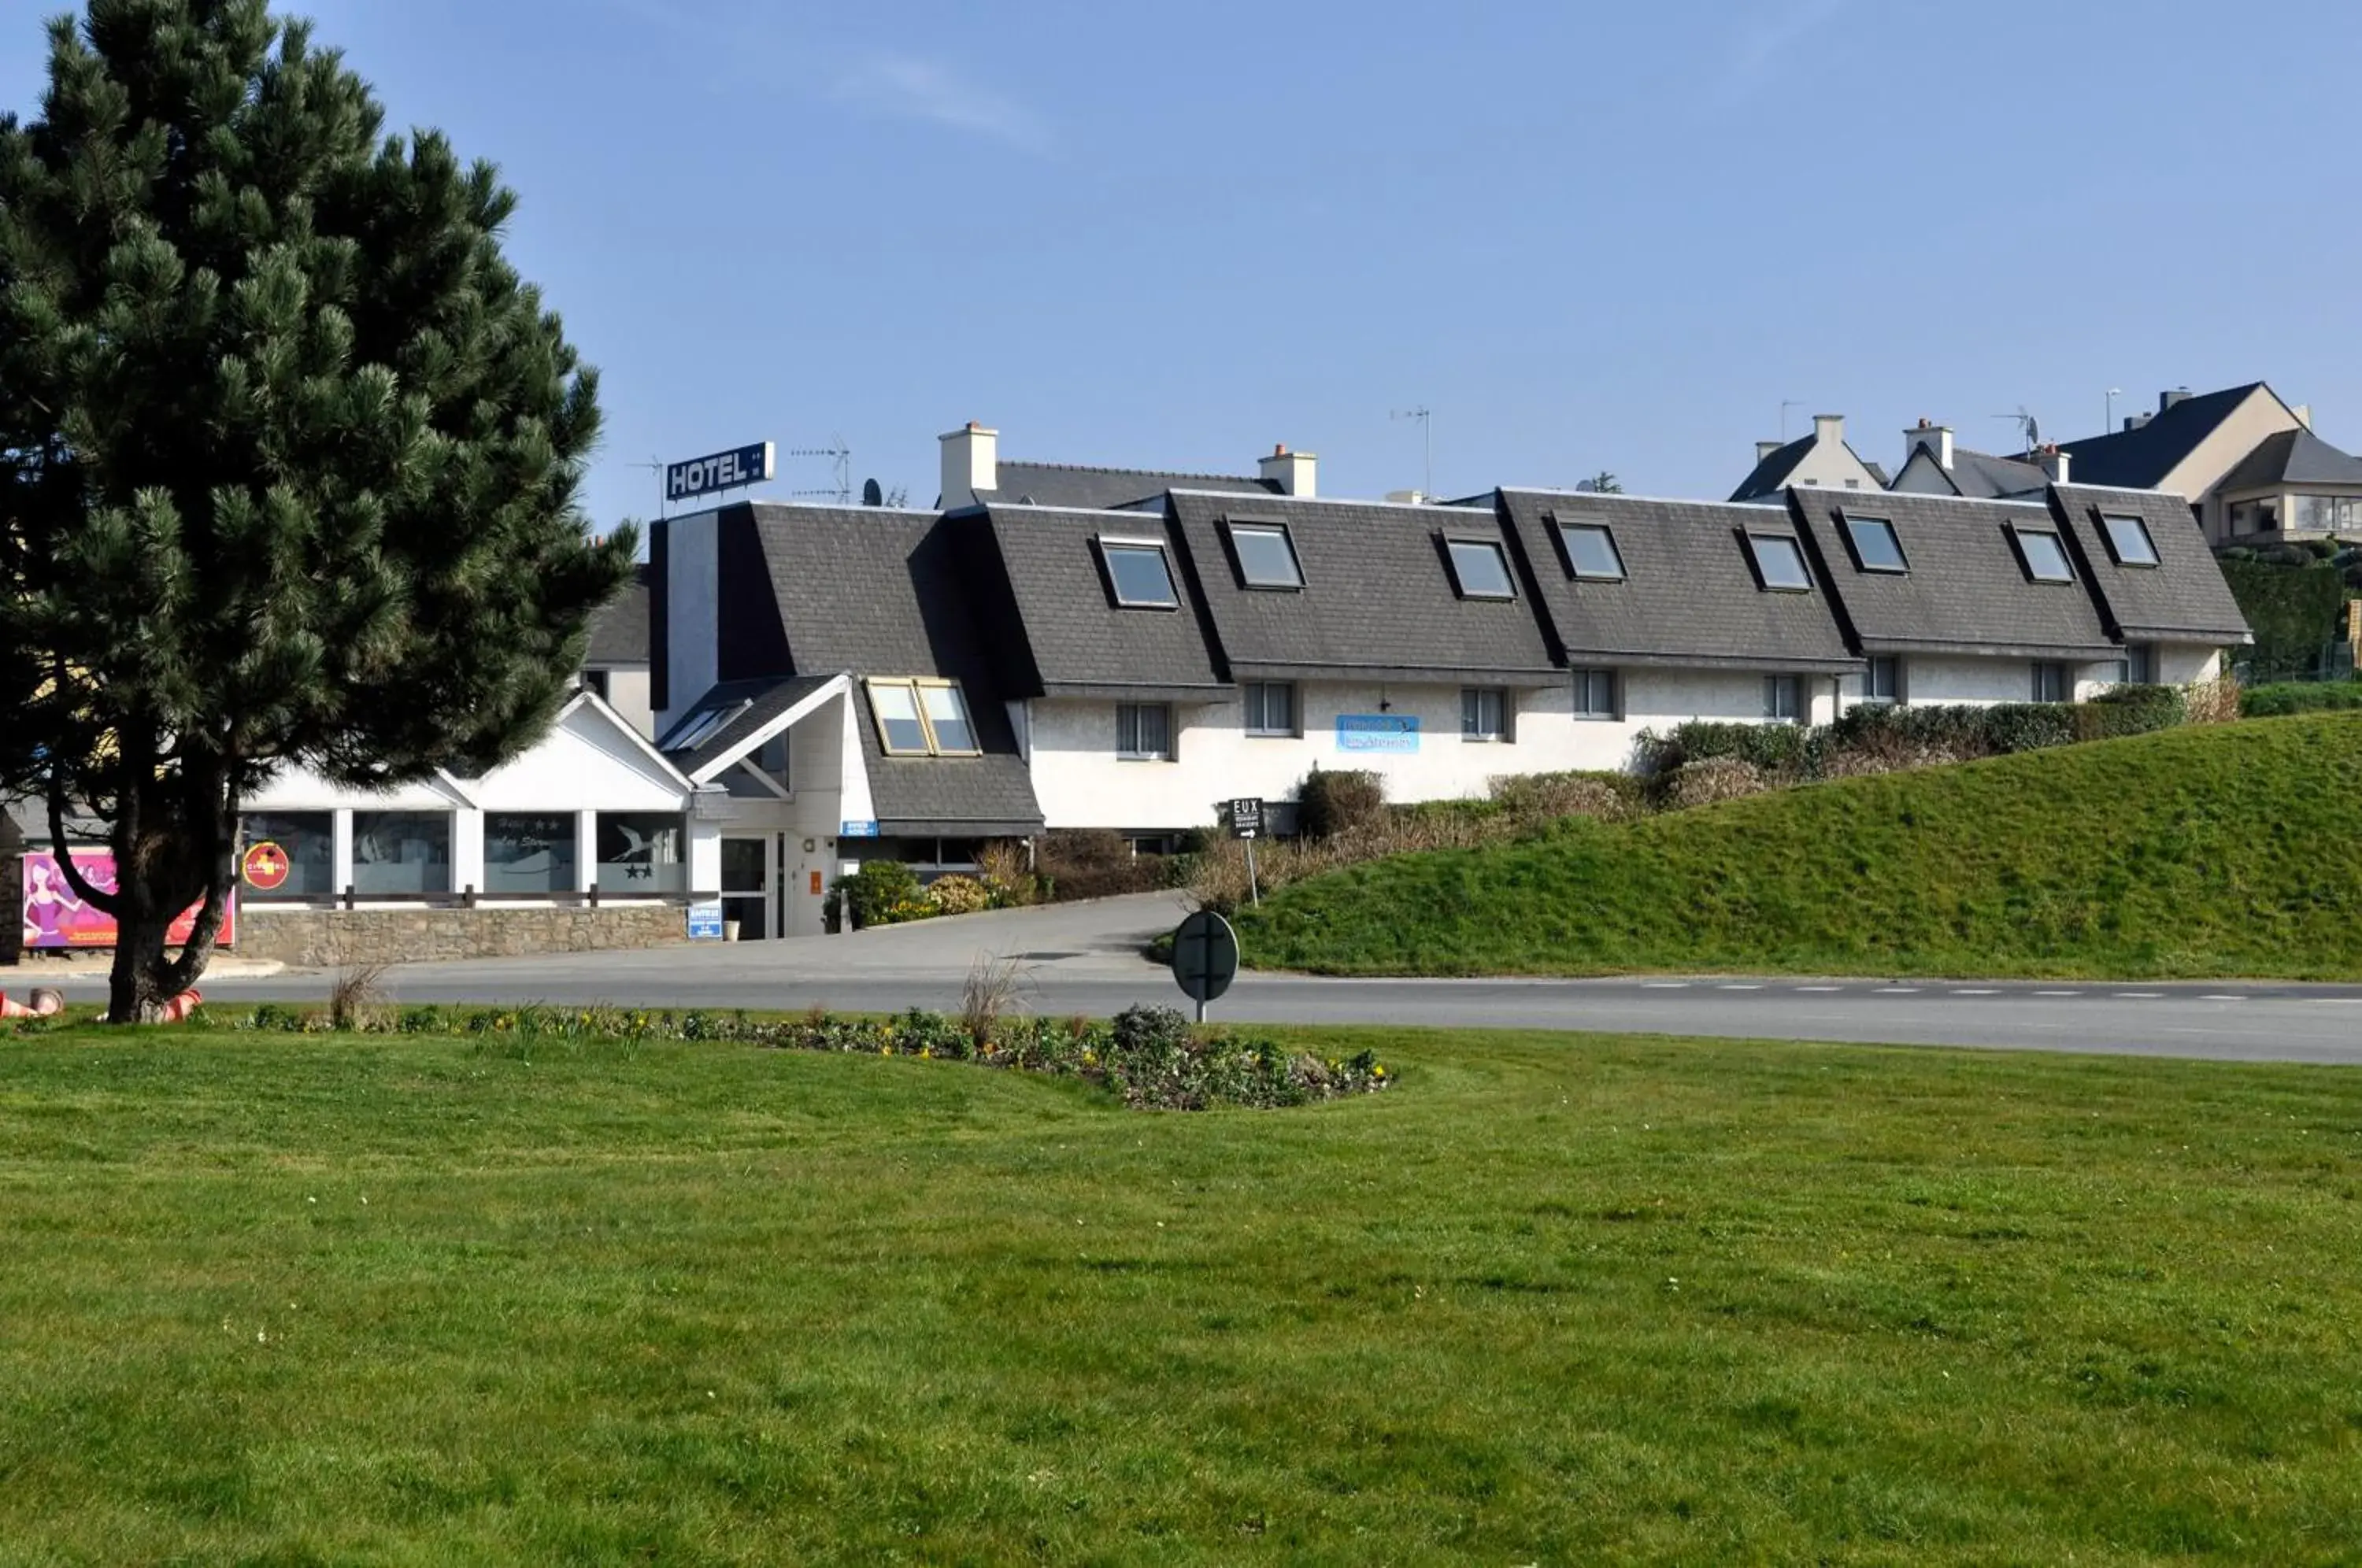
x=882 y=892
x=1002 y=866
x=2291 y=601
x=959 y=895
x=1094 y=863
x=2130 y=710
x=1710 y=780
x=1329 y=804
x=1790 y=749
x=1533 y=798
x=2214 y=702
x=2029 y=726
x=2299 y=697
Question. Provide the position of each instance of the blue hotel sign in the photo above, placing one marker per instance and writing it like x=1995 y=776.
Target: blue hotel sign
x=1397 y=732
x=720 y=470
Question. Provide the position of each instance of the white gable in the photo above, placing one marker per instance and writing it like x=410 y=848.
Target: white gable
x=589 y=761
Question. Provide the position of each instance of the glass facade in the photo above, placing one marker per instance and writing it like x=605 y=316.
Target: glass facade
x=402 y=852
x=306 y=844
x=643 y=852
x=529 y=853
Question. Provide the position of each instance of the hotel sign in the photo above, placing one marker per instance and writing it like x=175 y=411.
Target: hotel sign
x=1396 y=733
x=733 y=469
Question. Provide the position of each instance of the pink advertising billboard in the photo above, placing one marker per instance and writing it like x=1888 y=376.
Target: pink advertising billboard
x=55 y=918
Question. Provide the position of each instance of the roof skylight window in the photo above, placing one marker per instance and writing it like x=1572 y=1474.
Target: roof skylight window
x=1266 y=555
x=1139 y=575
x=700 y=725
x=2128 y=540
x=921 y=718
x=1875 y=547
x=1479 y=568
x=1779 y=563
x=1591 y=552
x=2045 y=557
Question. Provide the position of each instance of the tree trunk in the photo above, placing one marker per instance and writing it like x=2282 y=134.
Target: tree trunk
x=135 y=991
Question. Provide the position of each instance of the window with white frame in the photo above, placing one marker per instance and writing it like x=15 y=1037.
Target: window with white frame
x=2051 y=682
x=1143 y=732
x=1266 y=556
x=1783 y=698
x=1881 y=681
x=2137 y=668
x=1594 y=694
x=530 y=852
x=402 y=852
x=287 y=855
x=1484 y=713
x=642 y=852
x=1270 y=708
x=917 y=717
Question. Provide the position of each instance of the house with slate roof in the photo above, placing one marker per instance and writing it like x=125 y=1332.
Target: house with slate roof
x=2193 y=445
x=1821 y=459
x=1933 y=464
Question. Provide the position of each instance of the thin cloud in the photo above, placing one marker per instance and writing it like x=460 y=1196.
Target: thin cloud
x=914 y=89
x=1760 y=47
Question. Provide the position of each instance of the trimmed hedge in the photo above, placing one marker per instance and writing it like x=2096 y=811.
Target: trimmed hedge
x=2292 y=601
x=2300 y=696
x=1329 y=804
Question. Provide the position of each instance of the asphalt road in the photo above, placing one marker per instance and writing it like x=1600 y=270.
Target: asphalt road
x=1085 y=959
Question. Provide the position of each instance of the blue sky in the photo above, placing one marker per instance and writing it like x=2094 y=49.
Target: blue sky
x=1584 y=235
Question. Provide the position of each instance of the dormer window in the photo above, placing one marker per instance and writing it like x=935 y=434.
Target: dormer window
x=1266 y=556
x=700 y=725
x=1779 y=563
x=2045 y=557
x=919 y=717
x=1875 y=547
x=1591 y=552
x=2128 y=540
x=1138 y=576
x=1479 y=570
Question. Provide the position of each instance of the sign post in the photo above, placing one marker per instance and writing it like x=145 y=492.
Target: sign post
x=733 y=470
x=1204 y=958
x=1246 y=825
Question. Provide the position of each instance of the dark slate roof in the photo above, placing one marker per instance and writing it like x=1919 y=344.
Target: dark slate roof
x=881 y=592
x=1979 y=476
x=2294 y=456
x=1377 y=604
x=2181 y=599
x=1062 y=484
x=1966 y=592
x=764 y=700
x=1064 y=637
x=1689 y=596
x=1770 y=472
x=2139 y=459
x=618 y=630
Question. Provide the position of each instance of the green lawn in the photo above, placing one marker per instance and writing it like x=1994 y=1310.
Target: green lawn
x=2210 y=851
x=1553 y=1299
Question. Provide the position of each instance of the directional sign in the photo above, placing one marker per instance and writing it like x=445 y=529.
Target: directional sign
x=1247 y=817
x=1205 y=958
x=718 y=470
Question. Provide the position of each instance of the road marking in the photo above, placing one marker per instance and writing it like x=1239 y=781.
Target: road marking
x=2140 y=996
x=2059 y=993
x=1898 y=990
x=2222 y=999
x=1664 y=985
x=1820 y=988
x=1741 y=988
x=1976 y=993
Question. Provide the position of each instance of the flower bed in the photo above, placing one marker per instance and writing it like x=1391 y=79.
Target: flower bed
x=1152 y=1057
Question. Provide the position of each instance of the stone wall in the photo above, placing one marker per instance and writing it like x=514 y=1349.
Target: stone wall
x=318 y=939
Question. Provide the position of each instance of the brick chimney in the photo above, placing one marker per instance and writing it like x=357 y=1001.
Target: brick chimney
x=1296 y=473
x=971 y=462
x=1936 y=438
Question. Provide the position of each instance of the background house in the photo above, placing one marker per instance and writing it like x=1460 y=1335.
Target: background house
x=1820 y=460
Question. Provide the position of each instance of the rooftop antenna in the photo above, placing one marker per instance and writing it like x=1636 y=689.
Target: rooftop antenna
x=841 y=457
x=656 y=466
x=2027 y=427
x=1426 y=436
x=1786 y=404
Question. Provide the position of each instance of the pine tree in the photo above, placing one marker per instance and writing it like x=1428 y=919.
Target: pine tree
x=290 y=455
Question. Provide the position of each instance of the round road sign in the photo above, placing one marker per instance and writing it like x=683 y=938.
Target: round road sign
x=1205 y=956
x=265 y=867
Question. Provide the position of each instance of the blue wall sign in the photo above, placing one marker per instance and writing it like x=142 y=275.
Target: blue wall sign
x=1377 y=731
x=705 y=922
x=721 y=470
x=856 y=830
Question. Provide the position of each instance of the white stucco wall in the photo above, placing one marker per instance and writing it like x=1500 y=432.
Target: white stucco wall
x=1081 y=782
x=627 y=693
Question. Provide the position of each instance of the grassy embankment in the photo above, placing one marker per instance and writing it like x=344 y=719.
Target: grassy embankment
x=280 y=1299
x=2222 y=850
